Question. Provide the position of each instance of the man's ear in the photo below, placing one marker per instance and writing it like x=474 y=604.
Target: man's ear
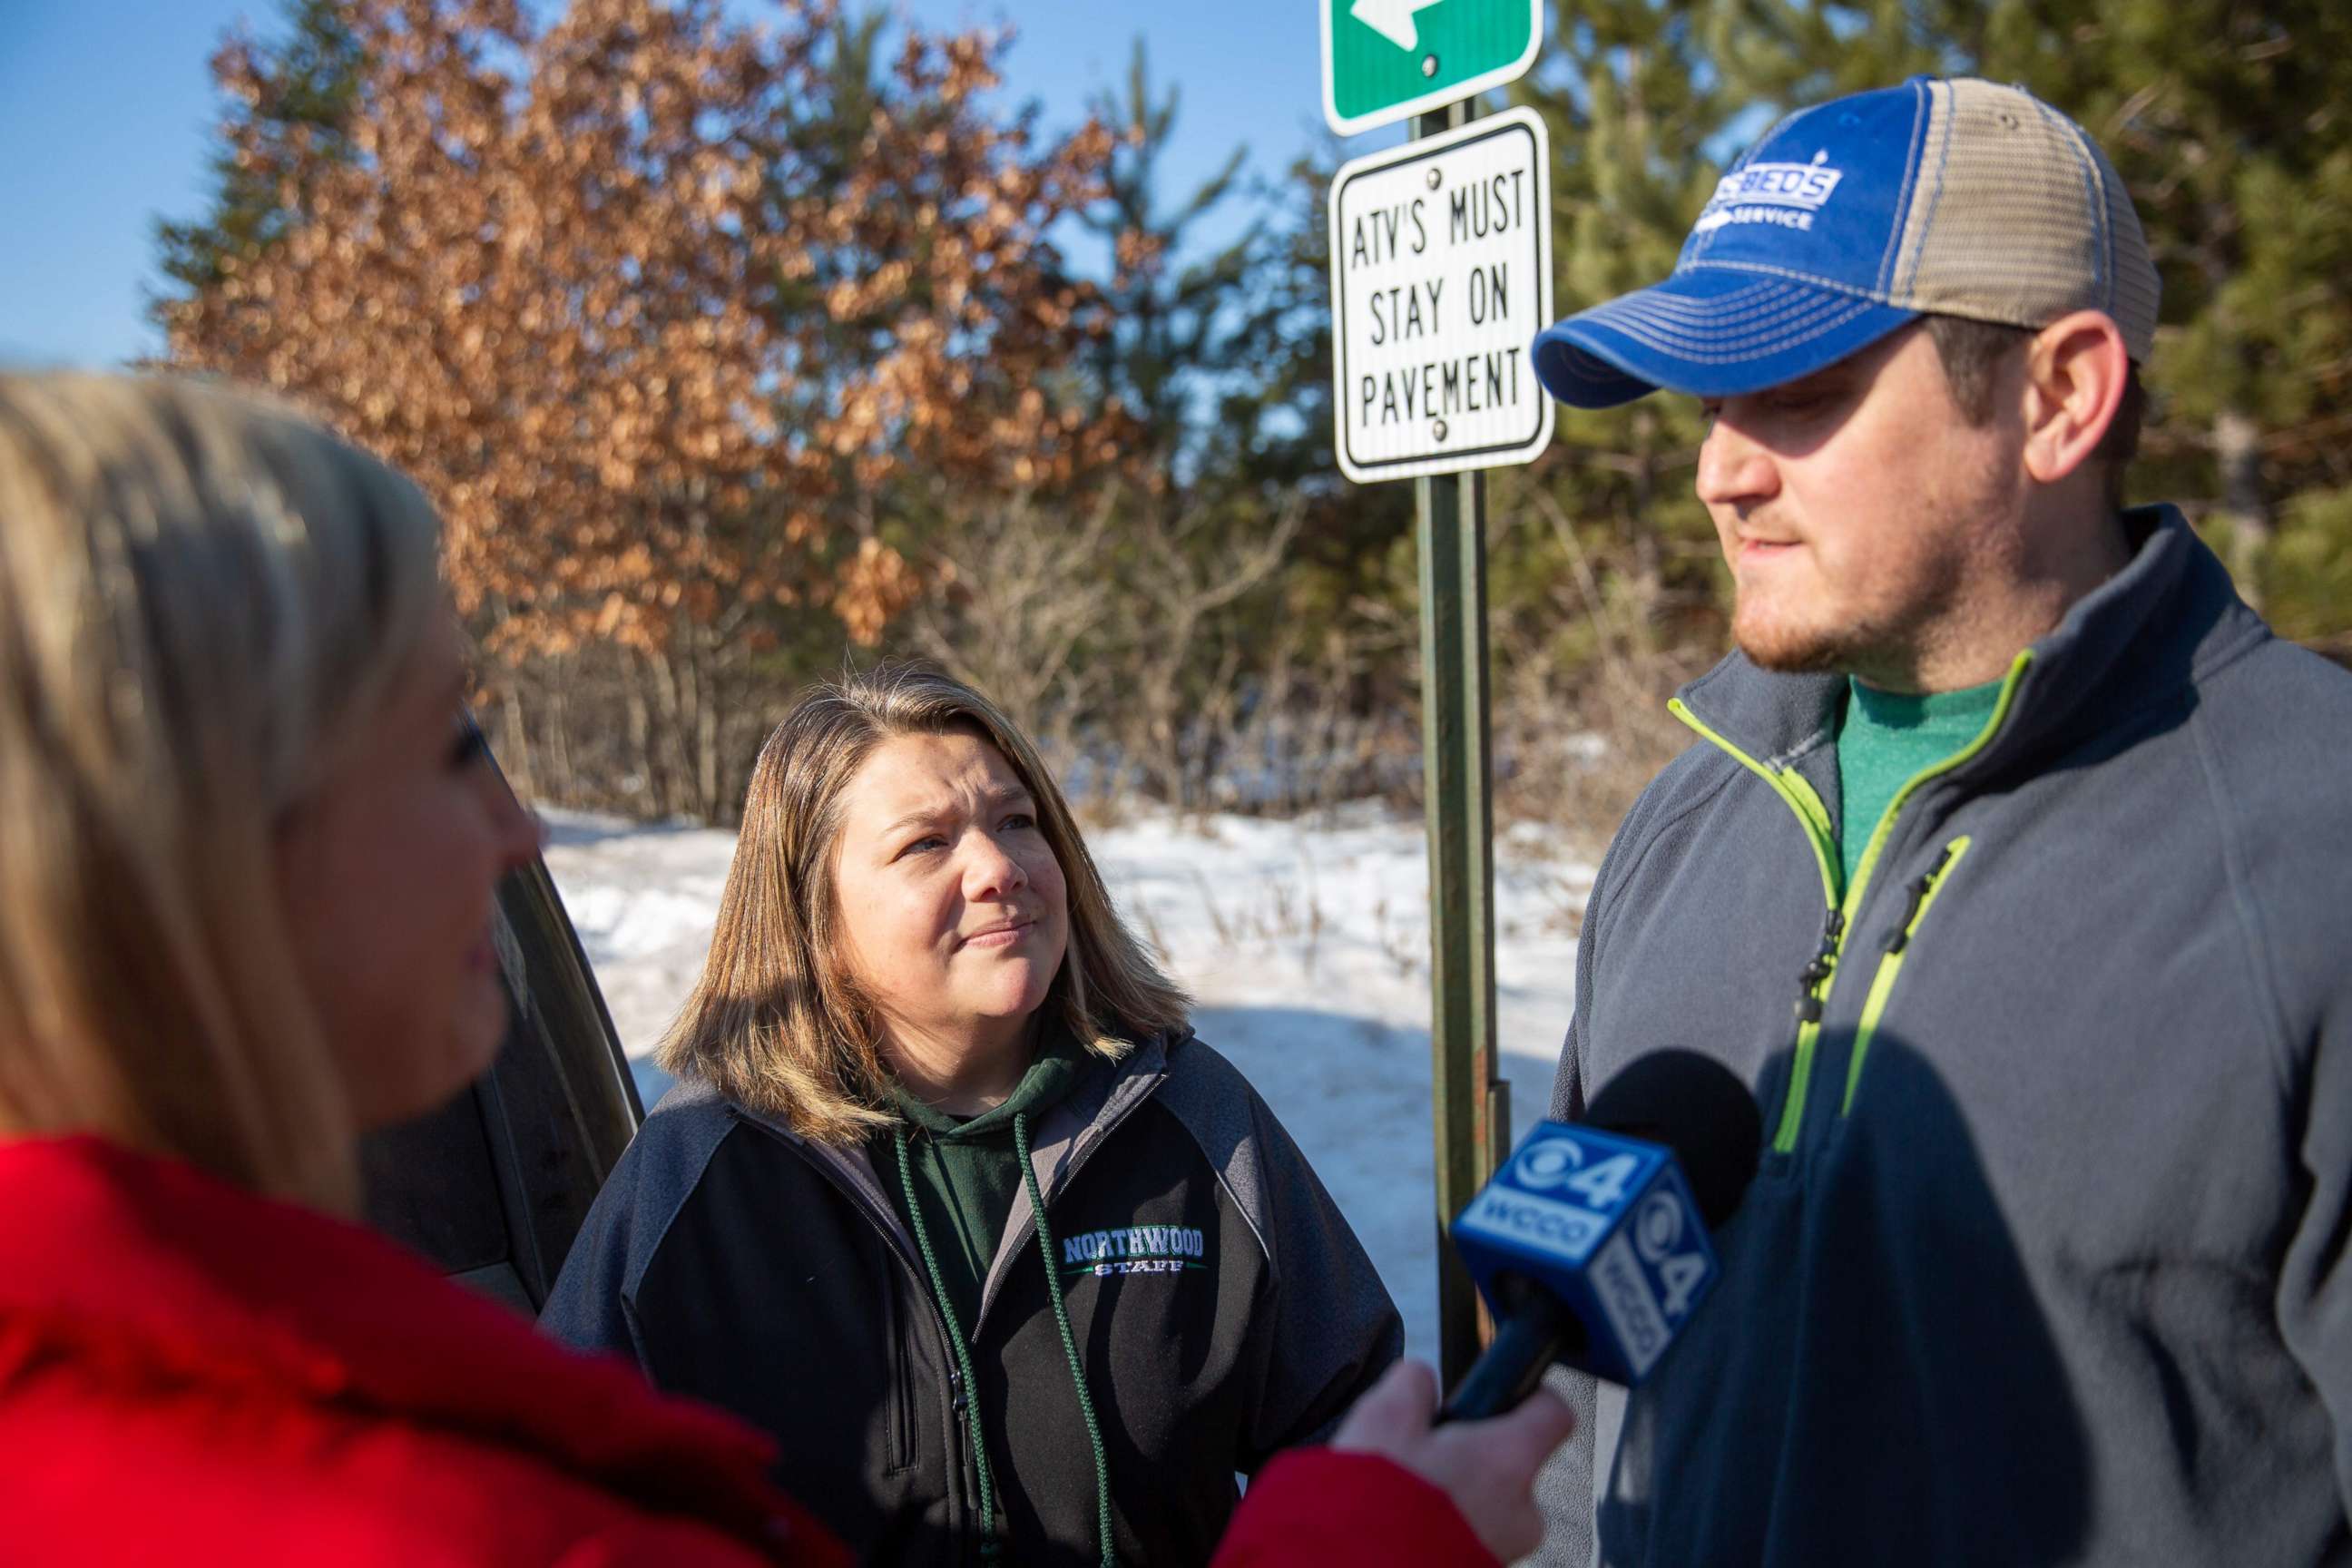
x=2075 y=371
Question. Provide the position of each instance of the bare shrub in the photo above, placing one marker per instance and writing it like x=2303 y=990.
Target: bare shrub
x=1575 y=743
x=1180 y=648
x=1312 y=733
x=665 y=732
x=1022 y=610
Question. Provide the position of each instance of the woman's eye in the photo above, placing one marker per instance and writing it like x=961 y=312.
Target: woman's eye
x=929 y=841
x=1020 y=820
x=466 y=748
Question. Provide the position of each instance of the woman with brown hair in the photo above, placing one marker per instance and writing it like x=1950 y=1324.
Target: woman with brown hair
x=948 y=1165
x=248 y=848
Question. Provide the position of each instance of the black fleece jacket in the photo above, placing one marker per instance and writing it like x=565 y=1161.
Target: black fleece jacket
x=1221 y=1306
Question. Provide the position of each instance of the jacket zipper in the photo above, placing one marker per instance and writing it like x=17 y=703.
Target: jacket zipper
x=1814 y=981
x=1819 y=976
x=901 y=1402
x=1922 y=890
x=907 y=1265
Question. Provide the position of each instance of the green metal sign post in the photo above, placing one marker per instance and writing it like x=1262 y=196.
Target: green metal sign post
x=1406 y=228
x=1471 y=1102
x=1384 y=60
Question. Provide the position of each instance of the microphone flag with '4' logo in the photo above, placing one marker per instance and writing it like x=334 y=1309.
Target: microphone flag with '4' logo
x=1608 y=1225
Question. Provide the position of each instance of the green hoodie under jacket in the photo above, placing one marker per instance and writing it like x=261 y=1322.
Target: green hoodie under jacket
x=966 y=1168
x=2045 y=1259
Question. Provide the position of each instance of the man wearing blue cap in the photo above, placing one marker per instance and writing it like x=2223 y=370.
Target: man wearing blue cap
x=2046 y=840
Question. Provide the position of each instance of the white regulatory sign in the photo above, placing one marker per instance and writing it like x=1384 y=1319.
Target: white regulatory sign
x=1441 y=277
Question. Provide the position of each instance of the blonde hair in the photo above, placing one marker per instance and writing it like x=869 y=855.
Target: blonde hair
x=203 y=599
x=776 y=1022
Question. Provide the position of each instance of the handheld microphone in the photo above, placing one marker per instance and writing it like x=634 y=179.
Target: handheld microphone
x=1591 y=1244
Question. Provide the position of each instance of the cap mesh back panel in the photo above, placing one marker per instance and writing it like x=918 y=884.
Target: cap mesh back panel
x=2025 y=221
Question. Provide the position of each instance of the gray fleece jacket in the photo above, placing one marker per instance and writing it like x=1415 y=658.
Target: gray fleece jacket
x=2045 y=1261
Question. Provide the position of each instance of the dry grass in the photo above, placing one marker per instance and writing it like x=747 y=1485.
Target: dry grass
x=1572 y=753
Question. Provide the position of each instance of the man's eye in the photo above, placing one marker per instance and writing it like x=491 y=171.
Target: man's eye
x=1800 y=399
x=467 y=747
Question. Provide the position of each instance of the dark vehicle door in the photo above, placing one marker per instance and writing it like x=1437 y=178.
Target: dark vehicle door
x=494 y=1186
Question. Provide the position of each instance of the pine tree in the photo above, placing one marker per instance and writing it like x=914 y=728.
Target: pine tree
x=302 y=94
x=1173 y=336
x=1637 y=104
x=2231 y=124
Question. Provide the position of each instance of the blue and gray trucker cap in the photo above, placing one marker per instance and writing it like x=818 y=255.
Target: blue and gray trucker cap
x=1848 y=220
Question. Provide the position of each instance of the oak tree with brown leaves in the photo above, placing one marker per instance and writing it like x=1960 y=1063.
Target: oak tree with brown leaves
x=654 y=304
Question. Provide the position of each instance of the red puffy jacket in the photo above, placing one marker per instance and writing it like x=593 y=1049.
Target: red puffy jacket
x=191 y=1375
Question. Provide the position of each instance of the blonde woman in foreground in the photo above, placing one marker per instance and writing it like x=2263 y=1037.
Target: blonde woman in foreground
x=248 y=849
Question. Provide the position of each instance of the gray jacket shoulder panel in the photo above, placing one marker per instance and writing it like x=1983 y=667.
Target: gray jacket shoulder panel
x=590 y=1306
x=1215 y=1103
x=1330 y=1326
x=1682 y=788
x=672 y=1149
x=2275 y=748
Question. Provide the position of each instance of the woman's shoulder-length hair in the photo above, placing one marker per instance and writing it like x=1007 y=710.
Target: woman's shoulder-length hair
x=776 y=1022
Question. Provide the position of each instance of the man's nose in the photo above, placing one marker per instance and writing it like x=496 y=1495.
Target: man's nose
x=1735 y=469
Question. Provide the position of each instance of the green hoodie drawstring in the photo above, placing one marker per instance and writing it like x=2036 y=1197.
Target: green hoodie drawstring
x=963 y=1355
x=1069 y=1341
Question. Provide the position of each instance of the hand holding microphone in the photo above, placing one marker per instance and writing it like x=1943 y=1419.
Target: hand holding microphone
x=1591 y=1244
x=1486 y=1467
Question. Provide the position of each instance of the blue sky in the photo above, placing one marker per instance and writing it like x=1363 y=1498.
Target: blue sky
x=105 y=107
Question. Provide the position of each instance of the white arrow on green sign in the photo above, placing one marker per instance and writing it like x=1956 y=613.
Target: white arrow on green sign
x=1385 y=59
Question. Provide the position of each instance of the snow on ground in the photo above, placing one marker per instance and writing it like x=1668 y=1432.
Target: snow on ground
x=1306 y=946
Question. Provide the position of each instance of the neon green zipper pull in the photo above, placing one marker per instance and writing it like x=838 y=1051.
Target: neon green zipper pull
x=1813 y=979
x=1922 y=890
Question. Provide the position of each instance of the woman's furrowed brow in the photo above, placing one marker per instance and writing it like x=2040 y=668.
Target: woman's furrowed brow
x=919 y=817
x=994 y=799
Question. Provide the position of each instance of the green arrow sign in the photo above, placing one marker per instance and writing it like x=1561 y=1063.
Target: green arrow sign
x=1385 y=59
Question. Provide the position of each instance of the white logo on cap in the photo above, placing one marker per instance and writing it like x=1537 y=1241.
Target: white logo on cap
x=1785 y=194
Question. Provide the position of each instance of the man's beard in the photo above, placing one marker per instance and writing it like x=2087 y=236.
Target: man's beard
x=1883 y=650
x=1833 y=650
